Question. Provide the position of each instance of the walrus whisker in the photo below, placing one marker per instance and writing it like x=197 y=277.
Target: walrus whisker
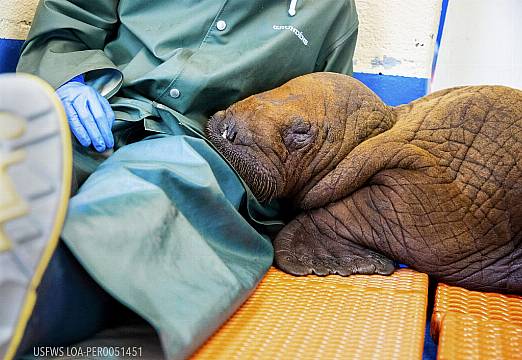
x=261 y=183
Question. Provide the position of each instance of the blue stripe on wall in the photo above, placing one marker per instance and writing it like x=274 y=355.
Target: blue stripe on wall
x=9 y=53
x=442 y=20
x=395 y=90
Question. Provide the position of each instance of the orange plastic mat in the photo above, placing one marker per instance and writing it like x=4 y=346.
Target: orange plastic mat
x=473 y=338
x=485 y=306
x=333 y=317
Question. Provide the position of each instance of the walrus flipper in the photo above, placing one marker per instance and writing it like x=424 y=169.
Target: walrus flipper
x=308 y=246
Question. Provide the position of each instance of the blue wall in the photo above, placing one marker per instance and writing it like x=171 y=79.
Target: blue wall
x=395 y=90
x=9 y=53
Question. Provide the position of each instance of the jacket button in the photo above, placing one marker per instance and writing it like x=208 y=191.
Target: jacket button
x=174 y=93
x=221 y=25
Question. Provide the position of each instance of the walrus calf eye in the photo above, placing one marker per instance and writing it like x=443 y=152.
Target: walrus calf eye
x=297 y=135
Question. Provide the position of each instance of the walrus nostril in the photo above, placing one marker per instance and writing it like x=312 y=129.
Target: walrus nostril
x=229 y=132
x=231 y=135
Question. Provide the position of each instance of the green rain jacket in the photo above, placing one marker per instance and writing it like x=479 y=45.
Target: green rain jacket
x=171 y=64
x=190 y=57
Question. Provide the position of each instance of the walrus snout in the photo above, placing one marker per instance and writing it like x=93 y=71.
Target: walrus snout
x=229 y=131
x=223 y=127
x=218 y=127
x=237 y=137
x=215 y=122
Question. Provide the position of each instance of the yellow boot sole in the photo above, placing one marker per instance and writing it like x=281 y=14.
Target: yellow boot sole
x=35 y=178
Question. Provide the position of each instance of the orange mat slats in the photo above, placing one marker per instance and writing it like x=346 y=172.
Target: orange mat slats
x=472 y=338
x=333 y=317
x=485 y=306
x=476 y=325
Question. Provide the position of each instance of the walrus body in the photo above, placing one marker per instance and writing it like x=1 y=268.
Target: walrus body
x=435 y=184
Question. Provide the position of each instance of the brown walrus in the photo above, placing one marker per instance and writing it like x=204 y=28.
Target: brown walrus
x=435 y=184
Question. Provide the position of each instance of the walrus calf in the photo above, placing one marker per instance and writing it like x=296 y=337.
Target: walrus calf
x=435 y=184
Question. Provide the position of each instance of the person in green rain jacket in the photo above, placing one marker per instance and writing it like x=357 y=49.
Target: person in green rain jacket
x=161 y=221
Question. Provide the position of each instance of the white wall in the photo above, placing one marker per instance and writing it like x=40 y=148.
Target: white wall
x=481 y=44
x=16 y=17
x=397 y=37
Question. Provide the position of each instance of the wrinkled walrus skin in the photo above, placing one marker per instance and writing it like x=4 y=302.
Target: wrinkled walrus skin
x=435 y=184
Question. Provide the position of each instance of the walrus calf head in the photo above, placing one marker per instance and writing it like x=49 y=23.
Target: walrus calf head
x=283 y=141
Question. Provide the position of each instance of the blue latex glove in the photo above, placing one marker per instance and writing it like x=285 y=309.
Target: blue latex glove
x=90 y=115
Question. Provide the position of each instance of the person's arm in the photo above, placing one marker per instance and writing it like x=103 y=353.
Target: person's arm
x=337 y=52
x=340 y=58
x=67 y=39
x=65 y=47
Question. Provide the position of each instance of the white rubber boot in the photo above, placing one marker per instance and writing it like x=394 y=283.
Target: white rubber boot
x=35 y=177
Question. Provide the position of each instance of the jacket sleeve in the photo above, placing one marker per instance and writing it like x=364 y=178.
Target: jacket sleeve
x=340 y=59
x=67 y=39
x=338 y=49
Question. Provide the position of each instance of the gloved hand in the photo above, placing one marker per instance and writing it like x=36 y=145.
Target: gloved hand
x=90 y=115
